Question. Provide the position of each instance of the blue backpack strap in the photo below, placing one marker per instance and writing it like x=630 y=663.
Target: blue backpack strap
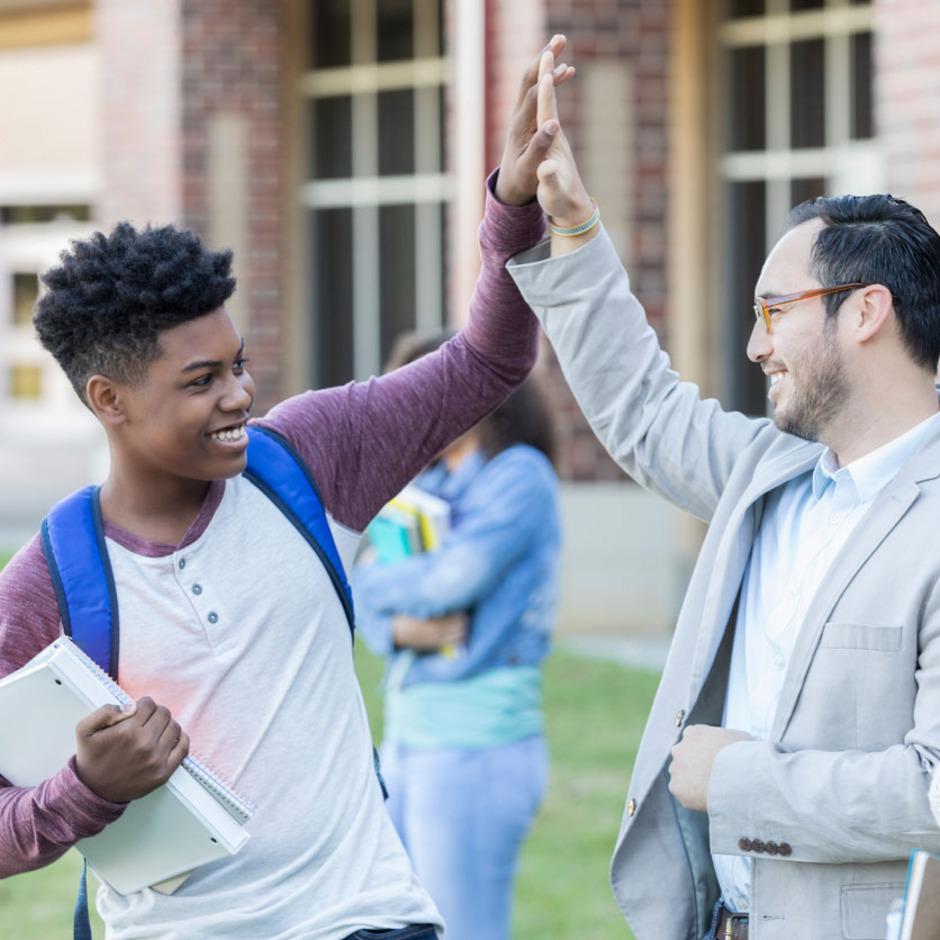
x=72 y=538
x=81 y=922
x=280 y=473
x=73 y=543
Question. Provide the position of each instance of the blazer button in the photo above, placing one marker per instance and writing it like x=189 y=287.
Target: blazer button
x=744 y=845
x=759 y=846
x=631 y=807
x=772 y=848
x=680 y=717
x=786 y=849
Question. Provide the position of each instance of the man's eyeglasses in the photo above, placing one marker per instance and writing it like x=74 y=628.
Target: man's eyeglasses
x=764 y=305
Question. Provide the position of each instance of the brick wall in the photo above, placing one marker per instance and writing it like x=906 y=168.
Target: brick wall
x=140 y=111
x=232 y=55
x=907 y=109
x=634 y=34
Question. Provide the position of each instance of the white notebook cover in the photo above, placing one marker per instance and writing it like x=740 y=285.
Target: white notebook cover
x=191 y=820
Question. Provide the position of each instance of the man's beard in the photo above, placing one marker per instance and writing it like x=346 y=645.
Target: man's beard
x=820 y=392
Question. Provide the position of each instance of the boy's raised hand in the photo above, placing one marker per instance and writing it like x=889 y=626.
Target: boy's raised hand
x=123 y=755
x=527 y=140
x=560 y=191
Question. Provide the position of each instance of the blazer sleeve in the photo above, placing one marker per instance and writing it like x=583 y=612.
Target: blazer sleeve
x=655 y=427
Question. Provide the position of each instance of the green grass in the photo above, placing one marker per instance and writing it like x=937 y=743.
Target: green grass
x=595 y=713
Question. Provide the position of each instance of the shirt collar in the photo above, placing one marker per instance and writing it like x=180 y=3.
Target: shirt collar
x=870 y=474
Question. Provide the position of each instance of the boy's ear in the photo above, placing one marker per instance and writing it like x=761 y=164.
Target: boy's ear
x=105 y=400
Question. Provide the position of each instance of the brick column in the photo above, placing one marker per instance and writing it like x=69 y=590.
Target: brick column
x=233 y=160
x=907 y=89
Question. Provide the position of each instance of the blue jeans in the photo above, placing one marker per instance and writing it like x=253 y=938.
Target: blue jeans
x=462 y=816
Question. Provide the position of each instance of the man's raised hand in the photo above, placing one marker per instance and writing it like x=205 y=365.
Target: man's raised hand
x=528 y=140
x=560 y=191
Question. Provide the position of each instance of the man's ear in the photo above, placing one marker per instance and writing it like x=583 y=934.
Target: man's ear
x=875 y=311
x=105 y=400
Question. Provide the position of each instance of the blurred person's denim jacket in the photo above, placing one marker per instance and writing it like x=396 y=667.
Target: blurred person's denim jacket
x=498 y=563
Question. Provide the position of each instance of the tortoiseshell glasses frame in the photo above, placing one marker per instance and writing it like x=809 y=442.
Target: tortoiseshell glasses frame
x=764 y=305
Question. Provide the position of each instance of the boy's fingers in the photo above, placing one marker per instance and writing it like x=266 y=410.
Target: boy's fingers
x=101 y=718
x=178 y=752
x=531 y=75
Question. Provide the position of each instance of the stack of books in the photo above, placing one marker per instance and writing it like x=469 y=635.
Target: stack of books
x=412 y=523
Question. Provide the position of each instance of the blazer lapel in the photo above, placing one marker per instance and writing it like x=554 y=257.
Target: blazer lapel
x=887 y=510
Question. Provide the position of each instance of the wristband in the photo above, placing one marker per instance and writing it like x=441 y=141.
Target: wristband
x=585 y=226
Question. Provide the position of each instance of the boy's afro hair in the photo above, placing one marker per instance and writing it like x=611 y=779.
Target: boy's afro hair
x=111 y=296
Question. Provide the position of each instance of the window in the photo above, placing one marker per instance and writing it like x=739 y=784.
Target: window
x=31 y=239
x=799 y=123
x=21 y=215
x=377 y=191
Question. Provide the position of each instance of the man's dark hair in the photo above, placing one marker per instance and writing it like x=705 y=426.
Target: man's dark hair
x=884 y=240
x=523 y=418
x=111 y=296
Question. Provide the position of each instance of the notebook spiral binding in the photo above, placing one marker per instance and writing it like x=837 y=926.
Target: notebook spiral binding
x=239 y=808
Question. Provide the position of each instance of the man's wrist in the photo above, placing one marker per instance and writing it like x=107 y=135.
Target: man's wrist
x=565 y=245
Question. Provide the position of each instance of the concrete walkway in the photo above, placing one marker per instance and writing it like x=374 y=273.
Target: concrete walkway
x=640 y=652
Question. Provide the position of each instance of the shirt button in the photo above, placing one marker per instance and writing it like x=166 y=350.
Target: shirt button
x=182 y=563
x=631 y=807
x=680 y=717
x=197 y=589
x=213 y=617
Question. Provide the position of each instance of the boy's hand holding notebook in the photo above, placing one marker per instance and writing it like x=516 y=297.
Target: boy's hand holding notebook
x=124 y=753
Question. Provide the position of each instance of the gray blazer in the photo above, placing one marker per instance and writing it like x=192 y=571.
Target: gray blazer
x=843 y=779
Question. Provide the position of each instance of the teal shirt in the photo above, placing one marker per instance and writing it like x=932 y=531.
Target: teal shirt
x=491 y=709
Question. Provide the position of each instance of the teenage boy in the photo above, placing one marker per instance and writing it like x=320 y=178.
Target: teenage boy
x=782 y=780
x=227 y=619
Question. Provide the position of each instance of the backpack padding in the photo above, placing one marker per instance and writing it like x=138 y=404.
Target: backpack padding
x=73 y=543
x=278 y=471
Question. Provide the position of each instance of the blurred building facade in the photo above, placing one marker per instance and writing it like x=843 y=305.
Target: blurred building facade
x=339 y=147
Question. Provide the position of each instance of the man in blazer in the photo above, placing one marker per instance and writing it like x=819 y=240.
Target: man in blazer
x=786 y=762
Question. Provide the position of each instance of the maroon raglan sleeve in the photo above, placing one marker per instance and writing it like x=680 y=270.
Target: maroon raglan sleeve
x=364 y=441
x=39 y=824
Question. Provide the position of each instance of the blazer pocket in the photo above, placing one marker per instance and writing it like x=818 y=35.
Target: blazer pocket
x=865 y=909
x=861 y=636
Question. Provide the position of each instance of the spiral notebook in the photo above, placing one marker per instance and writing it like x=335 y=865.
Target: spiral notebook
x=193 y=819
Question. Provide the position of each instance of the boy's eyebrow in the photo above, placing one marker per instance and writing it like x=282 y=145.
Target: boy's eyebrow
x=212 y=363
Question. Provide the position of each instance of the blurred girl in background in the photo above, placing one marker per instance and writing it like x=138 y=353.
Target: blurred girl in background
x=465 y=629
